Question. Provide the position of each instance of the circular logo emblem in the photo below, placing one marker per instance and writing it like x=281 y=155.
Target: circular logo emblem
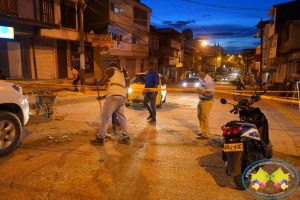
x=270 y=178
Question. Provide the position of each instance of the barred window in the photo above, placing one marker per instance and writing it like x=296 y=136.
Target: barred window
x=47 y=11
x=9 y=7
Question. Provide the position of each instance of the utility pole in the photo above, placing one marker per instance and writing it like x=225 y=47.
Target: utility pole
x=261 y=50
x=82 y=6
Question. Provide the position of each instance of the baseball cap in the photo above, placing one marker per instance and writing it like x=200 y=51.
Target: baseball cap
x=112 y=64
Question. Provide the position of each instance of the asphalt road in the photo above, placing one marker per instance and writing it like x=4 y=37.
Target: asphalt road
x=163 y=161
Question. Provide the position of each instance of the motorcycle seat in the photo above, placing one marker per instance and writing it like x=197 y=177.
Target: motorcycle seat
x=239 y=123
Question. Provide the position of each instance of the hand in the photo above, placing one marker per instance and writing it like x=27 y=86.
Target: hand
x=100 y=98
x=97 y=81
x=144 y=92
x=200 y=91
x=152 y=95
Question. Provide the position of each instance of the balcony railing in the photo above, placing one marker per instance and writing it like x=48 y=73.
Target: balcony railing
x=140 y=48
x=129 y=46
x=9 y=7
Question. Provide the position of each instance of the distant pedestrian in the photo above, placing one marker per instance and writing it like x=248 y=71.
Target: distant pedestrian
x=2 y=76
x=114 y=102
x=206 y=100
x=152 y=81
x=115 y=121
x=76 y=78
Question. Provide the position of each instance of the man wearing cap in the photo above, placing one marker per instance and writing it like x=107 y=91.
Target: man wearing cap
x=152 y=81
x=114 y=102
x=206 y=100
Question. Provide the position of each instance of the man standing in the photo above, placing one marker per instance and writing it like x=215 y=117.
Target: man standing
x=205 y=102
x=75 y=77
x=152 y=81
x=114 y=102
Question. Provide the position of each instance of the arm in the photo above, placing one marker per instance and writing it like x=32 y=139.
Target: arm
x=209 y=94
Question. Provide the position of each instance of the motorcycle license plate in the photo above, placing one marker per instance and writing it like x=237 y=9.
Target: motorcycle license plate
x=233 y=147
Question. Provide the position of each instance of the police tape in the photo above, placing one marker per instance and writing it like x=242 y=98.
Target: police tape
x=88 y=90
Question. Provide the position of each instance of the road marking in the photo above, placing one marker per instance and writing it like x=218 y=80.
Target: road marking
x=290 y=115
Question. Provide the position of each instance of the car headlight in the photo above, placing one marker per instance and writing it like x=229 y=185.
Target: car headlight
x=184 y=84
x=129 y=90
x=196 y=84
x=18 y=88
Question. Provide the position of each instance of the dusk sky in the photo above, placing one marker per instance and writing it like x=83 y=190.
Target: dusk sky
x=230 y=23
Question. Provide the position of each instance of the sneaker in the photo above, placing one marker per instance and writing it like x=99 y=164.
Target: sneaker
x=152 y=120
x=201 y=137
x=124 y=141
x=150 y=117
x=97 y=141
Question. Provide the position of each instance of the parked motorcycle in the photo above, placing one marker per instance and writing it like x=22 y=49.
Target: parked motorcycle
x=245 y=141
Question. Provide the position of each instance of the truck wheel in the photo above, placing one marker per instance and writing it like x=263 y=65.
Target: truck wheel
x=10 y=132
x=127 y=104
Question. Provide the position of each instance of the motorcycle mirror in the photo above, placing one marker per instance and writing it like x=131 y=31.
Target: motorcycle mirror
x=258 y=81
x=223 y=101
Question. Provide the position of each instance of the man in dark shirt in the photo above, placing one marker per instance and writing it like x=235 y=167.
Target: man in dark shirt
x=152 y=81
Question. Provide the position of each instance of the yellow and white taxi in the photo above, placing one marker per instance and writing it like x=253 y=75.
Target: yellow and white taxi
x=137 y=85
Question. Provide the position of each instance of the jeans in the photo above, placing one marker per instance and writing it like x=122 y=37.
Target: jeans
x=113 y=104
x=151 y=108
x=75 y=83
x=203 y=109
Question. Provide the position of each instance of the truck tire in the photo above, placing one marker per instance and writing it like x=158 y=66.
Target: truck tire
x=10 y=132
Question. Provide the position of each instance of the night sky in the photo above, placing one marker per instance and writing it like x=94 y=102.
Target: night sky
x=229 y=23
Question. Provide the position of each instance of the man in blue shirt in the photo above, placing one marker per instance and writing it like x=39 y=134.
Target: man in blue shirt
x=206 y=100
x=152 y=81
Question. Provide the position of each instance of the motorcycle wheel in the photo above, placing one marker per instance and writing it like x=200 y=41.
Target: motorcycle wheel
x=239 y=183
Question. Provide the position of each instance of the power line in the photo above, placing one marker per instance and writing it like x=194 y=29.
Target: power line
x=227 y=7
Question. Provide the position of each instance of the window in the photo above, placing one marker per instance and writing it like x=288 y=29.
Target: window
x=140 y=17
x=112 y=6
x=9 y=7
x=47 y=11
x=68 y=14
x=135 y=40
x=272 y=19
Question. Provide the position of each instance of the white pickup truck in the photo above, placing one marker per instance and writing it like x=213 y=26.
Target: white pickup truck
x=14 y=114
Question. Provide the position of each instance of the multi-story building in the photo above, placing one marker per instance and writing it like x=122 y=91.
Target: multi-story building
x=171 y=53
x=25 y=53
x=129 y=24
x=281 y=44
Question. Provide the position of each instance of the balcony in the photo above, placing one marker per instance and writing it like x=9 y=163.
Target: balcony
x=175 y=44
x=175 y=61
x=128 y=49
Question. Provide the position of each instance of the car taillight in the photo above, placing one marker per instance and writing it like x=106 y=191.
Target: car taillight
x=226 y=131
x=236 y=130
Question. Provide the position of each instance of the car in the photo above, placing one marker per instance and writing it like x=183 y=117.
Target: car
x=190 y=83
x=14 y=114
x=225 y=79
x=135 y=92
